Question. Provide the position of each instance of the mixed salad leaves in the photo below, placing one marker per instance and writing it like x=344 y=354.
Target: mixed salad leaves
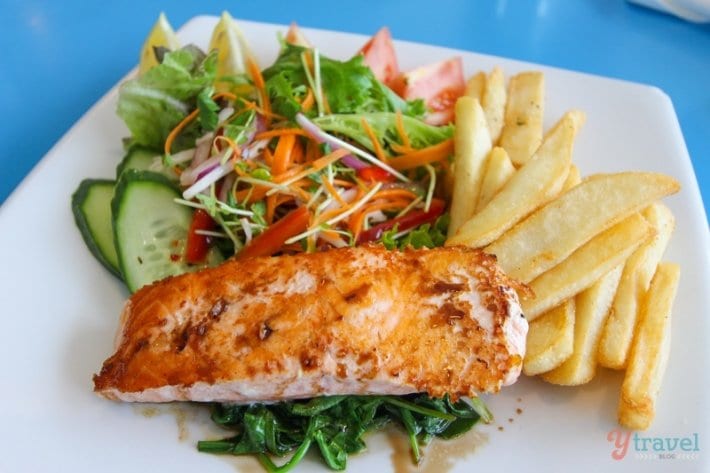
x=308 y=154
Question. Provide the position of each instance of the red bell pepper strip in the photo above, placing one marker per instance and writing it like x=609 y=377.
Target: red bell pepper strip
x=274 y=237
x=198 y=245
x=375 y=174
x=405 y=222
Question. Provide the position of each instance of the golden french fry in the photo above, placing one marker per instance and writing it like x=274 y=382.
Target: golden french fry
x=472 y=144
x=499 y=170
x=638 y=271
x=531 y=186
x=592 y=308
x=550 y=339
x=522 y=129
x=493 y=102
x=475 y=86
x=649 y=353
x=590 y=262
x=553 y=232
x=573 y=178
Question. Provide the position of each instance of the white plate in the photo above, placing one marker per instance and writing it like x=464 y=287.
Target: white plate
x=60 y=306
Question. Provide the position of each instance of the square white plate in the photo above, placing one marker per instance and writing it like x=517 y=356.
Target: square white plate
x=60 y=307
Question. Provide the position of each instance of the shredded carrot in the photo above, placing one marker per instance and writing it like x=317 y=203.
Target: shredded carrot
x=258 y=79
x=270 y=208
x=262 y=111
x=280 y=132
x=357 y=220
x=176 y=131
x=379 y=152
x=402 y=132
x=298 y=154
x=420 y=157
x=326 y=105
x=401 y=149
x=395 y=193
x=224 y=95
x=236 y=152
x=268 y=157
x=343 y=183
x=308 y=101
x=282 y=154
x=334 y=193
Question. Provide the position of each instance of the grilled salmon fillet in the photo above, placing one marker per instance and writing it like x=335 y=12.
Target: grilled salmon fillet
x=360 y=320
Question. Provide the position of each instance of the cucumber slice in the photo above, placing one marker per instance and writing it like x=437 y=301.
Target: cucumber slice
x=91 y=206
x=150 y=229
x=144 y=159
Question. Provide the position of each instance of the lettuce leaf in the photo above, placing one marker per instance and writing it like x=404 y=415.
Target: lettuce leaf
x=427 y=235
x=384 y=125
x=152 y=104
x=349 y=86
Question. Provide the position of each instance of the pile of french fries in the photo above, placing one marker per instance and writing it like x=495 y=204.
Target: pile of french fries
x=589 y=249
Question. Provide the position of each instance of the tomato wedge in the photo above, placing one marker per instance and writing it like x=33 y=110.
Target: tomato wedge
x=274 y=237
x=439 y=85
x=379 y=54
x=198 y=245
x=375 y=174
x=405 y=222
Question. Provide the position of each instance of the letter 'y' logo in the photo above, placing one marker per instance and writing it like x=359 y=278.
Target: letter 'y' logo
x=621 y=443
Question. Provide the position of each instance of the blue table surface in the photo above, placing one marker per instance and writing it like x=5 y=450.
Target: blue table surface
x=58 y=58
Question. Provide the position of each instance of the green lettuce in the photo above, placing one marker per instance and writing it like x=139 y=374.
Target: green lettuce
x=152 y=104
x=424 y=236
x=349 y=86
x=384 y=125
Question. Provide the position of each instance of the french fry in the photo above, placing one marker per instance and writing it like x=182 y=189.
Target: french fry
x=550 y=339
x=553 y=232
x=586 y=265
x=472 y=144
x=649 y=353
x=522 y=129
x=592 y=308
x=573 y=178
x=638 y=271
x=493 y=102
x=531 y=186
x=475 y=86
x=499 y=170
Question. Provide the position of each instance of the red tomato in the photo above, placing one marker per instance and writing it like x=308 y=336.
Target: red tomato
x=375 y=174
x=380 y=56
x=198 y=245
x=439 y=85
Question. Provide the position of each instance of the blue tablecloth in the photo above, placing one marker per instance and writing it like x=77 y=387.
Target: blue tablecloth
x=58 y=58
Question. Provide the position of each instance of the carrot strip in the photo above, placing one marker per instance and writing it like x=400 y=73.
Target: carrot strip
x=308 y=101
x=298 y=154
x=334 y=193
x=357 y=220
x=176 y=131
x=276 y=235
x=395 y=193
x=258 y=79
x=424 y=156
x=401 y=149
x=282 y=154
x=268 y=157
x=343 y=183
x=402 y=132
x=379 y=152
x=281 y=132
x=270 y=208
